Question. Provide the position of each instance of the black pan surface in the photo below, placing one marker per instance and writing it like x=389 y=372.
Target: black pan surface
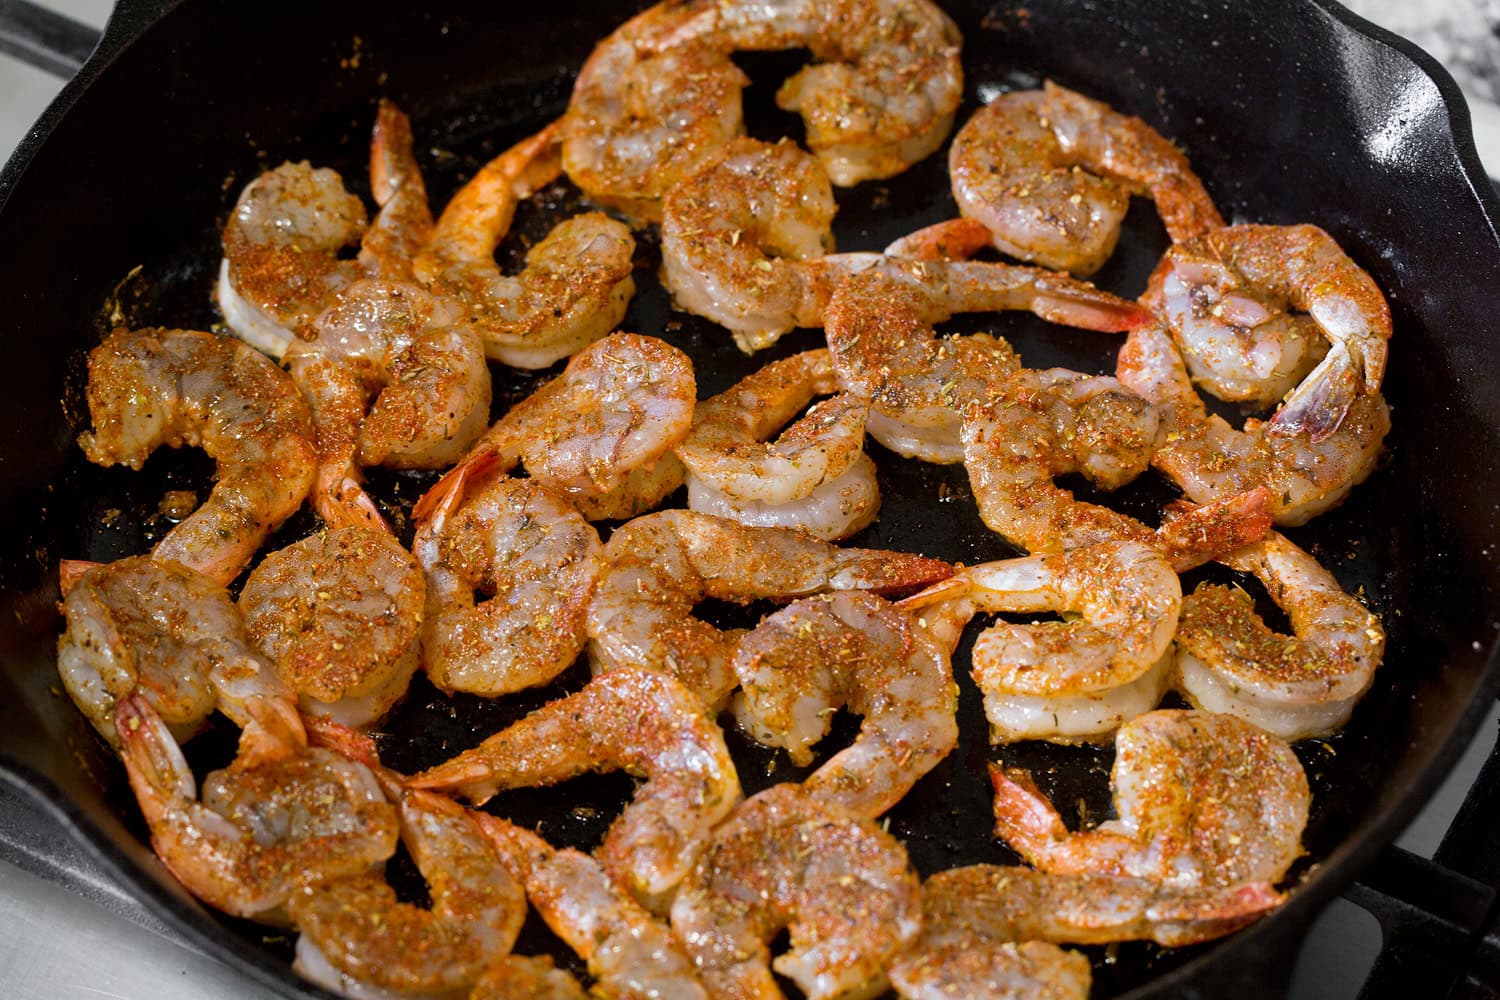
x=111 y=214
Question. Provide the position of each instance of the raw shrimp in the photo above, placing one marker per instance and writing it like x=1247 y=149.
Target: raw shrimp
x=535 y=557
x=880 y=330
x=1210 y=460
x=180 y=387
x=853 y=649
x=524 y=977
x=1203 y=801
x=656 y=568
x=403 y=226
x=1226 y=298
x=168 y=634
x=280 y=817
x=577 y=281
x=340 y=614
x=356 y=934
x=630 y=954
x=1050 y=173
x=1293 y=686
x=637 y=720
x=984 y=928
x=394 y=376
x=837 y=509
x=839 y=883
x=1067 y=681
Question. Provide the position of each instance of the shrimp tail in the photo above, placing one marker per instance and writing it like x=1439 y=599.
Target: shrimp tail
x=953 y=239
x=1194 y=534
x=465 y=775
x=882 y=572
x=435 y=506
x=944 y=590
x=1024 y=818
x=1060 y=299
x=1318 y=405
x=1191 y=918
x=158 y=772
x=70 y=571
x=342 y=502
x=359 y=747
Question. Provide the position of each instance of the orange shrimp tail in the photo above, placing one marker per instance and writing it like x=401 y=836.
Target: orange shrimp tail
x=342 y=503
x=70 y=571
x=1194 y=535
x=944 y=590
x=896 y=571
x=323 y=732
x=1024 y=818
x=954 y=239
x=1065 y=300
x=439 y=502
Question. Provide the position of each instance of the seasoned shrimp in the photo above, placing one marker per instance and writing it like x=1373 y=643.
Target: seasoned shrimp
x=537 y=559
x=1226 y=298
x=180 y=387
x=1293 y=686
x=340 y=614
x=638 y=720
x=880 y=332
x=403 y=225
x=656 y=568
x=165 y=633
x=1050 y=173
x=839 y=883
x=1210 y=460
x=280 y=817
x=1203 y=801
x=394 y=376
x=525 y=977
x=837 y=509
x=851 y=649
x=356 y=934
x=630 y=954
x=984 y=928
x=577 y=281
x=1068 y=681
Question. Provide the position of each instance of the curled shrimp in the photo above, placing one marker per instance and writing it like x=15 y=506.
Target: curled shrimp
x=155 y=387
x=1203 y=800
x=535 y=558
x=280 y=817
x=169 y=635
x=1294 y=686
x=656 y=568
x=1212 y=461
x=880 y=331
x=1227 y=298
x=1050 y=173
x=577 y=281
x=637 y=720
x=840 y=884
x=851 y=649
x=630 y=954
x=526 y=977
x=814 y=476
x=340 y=615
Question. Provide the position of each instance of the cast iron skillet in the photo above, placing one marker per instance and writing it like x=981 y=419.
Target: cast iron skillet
x=1292 y=111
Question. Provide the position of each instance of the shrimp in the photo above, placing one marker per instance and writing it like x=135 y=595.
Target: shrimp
x=1075 y=680
x=630 y=954
x=524 y=977
x=841 y=884
x=180 y=387
x=1203 y=800
x=394 y=376
x=880 y=331
x=1211 y=461
x=356 y=933
x=169 y=635
x=1050 y=174
x=987 y=929
x=403 y=225
x=638 y=720
x=1226 y=298
x=656 y=568
x=577 y=281
x=537 y=558
x=801 y=480
x=820 y=653
x=280 y=817
x=340 y=614
x=1292 y=686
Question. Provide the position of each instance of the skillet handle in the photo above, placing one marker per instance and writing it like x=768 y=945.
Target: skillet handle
x=47 y=40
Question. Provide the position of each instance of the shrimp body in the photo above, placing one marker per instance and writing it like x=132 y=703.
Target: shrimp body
x=637 y=720
x=1050 y=173
x=165 y=633
x=535 y=558
x=1203 y=800
x=1227 y=298
x=1293 y=686
x=153 y=387
x=852 y=648
x=656 y=568
x=630 y=954
x=525 y=977
x=840 y=884
x=836 y=509
x=576 y=283
x=340 y=614
x=279 y=818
